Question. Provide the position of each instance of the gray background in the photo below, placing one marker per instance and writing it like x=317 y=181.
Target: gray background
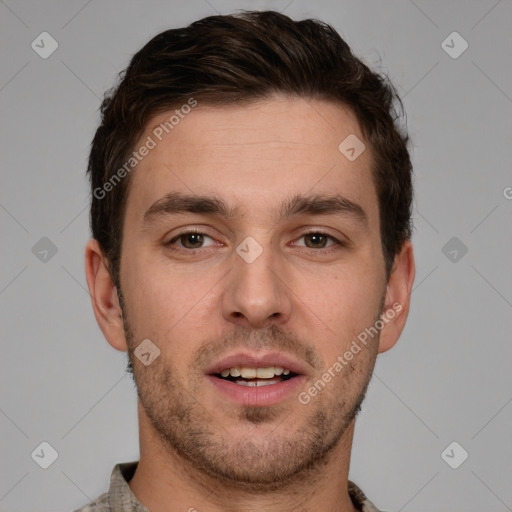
x=448 y=379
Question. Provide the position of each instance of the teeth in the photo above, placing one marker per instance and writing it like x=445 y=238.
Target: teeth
x=264 y=373
x=253 y=373
x=248 y=373
x=257 y=383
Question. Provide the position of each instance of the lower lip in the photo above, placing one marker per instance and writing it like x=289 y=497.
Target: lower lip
x=257 y=396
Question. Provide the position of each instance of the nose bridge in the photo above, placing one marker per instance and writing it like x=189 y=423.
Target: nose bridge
x=255 y=293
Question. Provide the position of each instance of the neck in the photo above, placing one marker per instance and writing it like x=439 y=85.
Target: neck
x=165 y=481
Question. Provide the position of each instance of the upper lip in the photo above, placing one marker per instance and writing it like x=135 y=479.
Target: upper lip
x=258 y=360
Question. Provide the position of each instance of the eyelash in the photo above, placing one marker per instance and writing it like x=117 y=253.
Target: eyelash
x=326 y=250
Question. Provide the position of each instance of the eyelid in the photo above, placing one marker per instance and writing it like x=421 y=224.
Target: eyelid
x=187 y=231
x=338 y=235
x=333 y=238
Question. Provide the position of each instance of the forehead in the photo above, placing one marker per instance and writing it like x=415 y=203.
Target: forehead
x=302 y=127
x=254 y=154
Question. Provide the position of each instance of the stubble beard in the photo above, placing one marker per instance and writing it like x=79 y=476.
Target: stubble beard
x=188 y=430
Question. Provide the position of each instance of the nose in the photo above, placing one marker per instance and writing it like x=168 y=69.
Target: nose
x=256 y=293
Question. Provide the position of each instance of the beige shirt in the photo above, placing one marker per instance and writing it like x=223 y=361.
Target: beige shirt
x=120 y=497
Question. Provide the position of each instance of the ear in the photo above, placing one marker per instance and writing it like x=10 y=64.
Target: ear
x=398 y=297
x=103 y=292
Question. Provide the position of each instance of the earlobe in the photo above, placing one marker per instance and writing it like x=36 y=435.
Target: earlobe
x=104 y=297
x=398 y=297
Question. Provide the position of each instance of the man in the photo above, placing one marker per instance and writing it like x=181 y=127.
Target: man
x=251 y=220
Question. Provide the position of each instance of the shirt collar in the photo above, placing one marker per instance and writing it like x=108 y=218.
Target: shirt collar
x=120 y=496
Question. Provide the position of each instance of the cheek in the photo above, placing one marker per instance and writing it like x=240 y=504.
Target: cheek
x=342 y=306
x=171 y=308
x=153 y=285
x=149 y=298
x=349 y=291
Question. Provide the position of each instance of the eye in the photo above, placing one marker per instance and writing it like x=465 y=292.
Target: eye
x=318 y=240
x=191 y=240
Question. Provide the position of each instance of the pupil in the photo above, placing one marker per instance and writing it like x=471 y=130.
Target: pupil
x=191 y=236
x=316 y=236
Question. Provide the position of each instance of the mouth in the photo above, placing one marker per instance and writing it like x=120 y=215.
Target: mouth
x=256 y=380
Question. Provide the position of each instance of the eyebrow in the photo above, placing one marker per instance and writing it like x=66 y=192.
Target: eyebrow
x=176 y=203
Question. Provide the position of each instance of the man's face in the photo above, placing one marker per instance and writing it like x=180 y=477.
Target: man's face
x=289 y=296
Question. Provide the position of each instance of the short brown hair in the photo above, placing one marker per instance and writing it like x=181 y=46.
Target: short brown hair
x=249 y=56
